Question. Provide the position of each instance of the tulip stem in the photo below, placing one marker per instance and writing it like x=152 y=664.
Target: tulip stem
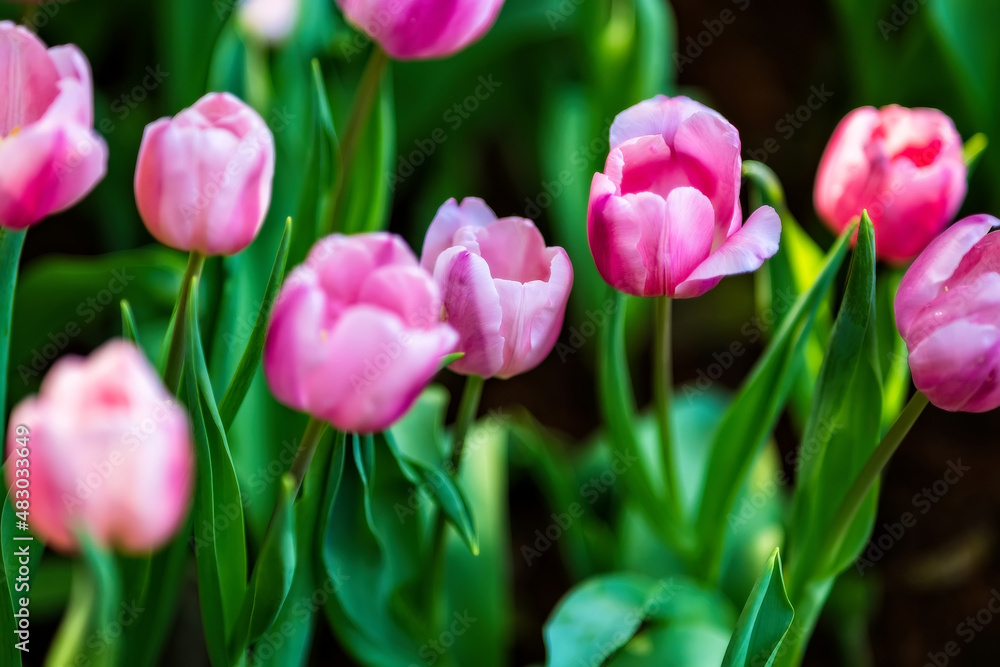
x=662 y=389
x=11 y=243
x=357 y=120
x=310 y=439
x=175 y=355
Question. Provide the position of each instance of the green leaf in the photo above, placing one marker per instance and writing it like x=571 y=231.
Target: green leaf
x=844 y=426
x=892 y=349
x=232 y=399
x=129 y=331
x=11 y=243
x=973 y=150
x=368 y=192
x=764 y=621
x=756 y=408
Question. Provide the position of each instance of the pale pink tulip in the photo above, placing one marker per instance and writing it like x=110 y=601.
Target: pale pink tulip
x=203 y=179
x=356 y=333
x=417 y=29
x=108 y=453
x=948 y=312
x=664 y=217
x=271 y=21
x=503 y=290
x=904 y=166
x=50 y=156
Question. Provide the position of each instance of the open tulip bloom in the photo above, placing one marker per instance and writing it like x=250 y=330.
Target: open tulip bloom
x=289 y=431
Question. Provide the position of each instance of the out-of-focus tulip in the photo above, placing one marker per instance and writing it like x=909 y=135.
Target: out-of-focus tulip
x=503 y=290
x=664 y=217
x=203 y=180
x=107 y=452
x=948 y=312
x=417 y=29
x=50 y=156
x=271 y=21
x=904 y=166
x=356 y=333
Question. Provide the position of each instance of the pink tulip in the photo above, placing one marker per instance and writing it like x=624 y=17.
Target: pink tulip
x=203 y=180
x=417 y=29
x=503 y=290
x=271 y=21
x=50 y=156
x=108 y=452
x=948 y=312
x=356 y=333
x=904 y=165
x=665 y=216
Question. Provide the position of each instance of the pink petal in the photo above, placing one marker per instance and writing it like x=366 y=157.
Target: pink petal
x=28 y=78
x=690 y=225
x=449 y=219
x=512 y=247
x=958 y=367
x=405 y=291
x=658 y=116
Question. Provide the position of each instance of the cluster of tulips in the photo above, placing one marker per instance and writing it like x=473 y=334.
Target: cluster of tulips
x=362 y=327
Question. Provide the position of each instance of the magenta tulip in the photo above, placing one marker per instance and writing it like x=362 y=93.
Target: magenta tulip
x=50 y=156
x=904 y=166
x=356 y=333
x=417 y=29
x=664 y=217
x=106 y=450
x=203 y=179
x=948 y=312
x=504 y=291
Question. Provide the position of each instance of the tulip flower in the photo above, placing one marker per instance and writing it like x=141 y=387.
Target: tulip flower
x=664 y=217
x=503 y=290
x=356 y=333
x=418 y=29
x=107 y=451
x=948 y=313
x=50 y=156
x=904 y=166
x=203 y=179
x=271 y=21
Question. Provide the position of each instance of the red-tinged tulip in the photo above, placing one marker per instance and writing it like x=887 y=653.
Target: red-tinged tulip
x=105 y=450
x=504 y=291
x=948 y=312
x=418 y=29
x=904 y=166
x=271 y=21
x=664 y=217
x=203 y=179
x=50 y=156
x=356 y=333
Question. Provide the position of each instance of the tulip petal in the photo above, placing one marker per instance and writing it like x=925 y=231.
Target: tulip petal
x=28 y=78
x=449 y=219
x=744 y=251
x=512 y=247
x=76 y=88
x=690 y=225
x=658 y=116
x=972 y=348
x=403 y=290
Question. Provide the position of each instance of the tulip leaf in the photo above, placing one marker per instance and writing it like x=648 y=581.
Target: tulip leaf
x=11 y=243
x=129 y=331
x=764 y=621
x=892 y=352
x=449 y=359
x=754 y=411
x=219 y=537
x=973 y=150
x=232 y=399
x=844 y=425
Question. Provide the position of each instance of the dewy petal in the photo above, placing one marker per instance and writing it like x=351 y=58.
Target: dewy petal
x=958 y=367
x=614 y=232
x=28 y=78
x=449 y=219
x=658 y=116
x=744 y=251
x=472 y=307
x=929 y=274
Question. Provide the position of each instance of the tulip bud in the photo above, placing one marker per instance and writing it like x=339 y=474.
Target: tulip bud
x=271 y=21
x=948 y=313
x=203 y=180
x=107 y=451
x=904 y=166
x=664 y=217
x=50 y=156
x=356 y=333
x=503 y=290
x=418 y=29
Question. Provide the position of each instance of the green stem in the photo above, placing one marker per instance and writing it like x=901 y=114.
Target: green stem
x=662 y=389
x=11 y=243
x=175 y=355
x=310 y=439
x=371 y=80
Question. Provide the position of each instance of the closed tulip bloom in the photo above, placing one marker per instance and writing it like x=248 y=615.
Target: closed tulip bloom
x=664 y=217
x=271 y=21
x=948 y=312
x=504 y=291
x=356 y=333
x=109 y=453
x=50 y=156
x=203 y=179
x=418 y=29
x=904 y=166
